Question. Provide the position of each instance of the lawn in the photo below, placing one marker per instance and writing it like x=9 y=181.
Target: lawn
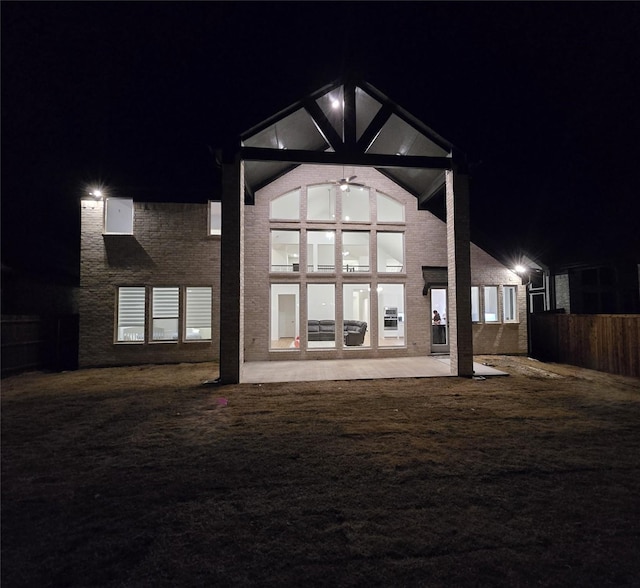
x=125 y=477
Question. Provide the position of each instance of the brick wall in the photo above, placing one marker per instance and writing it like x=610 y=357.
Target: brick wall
x=169 y=247
x=425 y=245
x=498 y=338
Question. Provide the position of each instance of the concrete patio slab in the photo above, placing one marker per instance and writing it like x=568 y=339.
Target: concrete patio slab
x=262 y=372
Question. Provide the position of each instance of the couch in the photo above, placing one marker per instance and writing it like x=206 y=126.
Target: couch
x=324 y=330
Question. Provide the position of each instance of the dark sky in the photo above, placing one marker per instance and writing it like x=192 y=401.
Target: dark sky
x=543 y=97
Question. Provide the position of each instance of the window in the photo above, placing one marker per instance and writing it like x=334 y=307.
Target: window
x=355 y=311
x=285 y=310
x=197 y=314
x=166 y=312
x=355 y=251
x=355 y=204
x=286 y=207
x=319 y=225
x=509 y=304
x=215 y=218
x=130 y=321
x=389 y=210
x=390 y=252
x=491 y=304
x=165 y=305
x=475 y=304
x=118 y=216
x=321 y=251
x=321 y=203
x=321 y=315
x=285 y=251
x=391 y=325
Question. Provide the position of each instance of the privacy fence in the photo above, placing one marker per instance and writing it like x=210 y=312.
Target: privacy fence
x=605 y=342
x=39 y=343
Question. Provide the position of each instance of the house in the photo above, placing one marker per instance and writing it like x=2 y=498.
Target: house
x=321 y=247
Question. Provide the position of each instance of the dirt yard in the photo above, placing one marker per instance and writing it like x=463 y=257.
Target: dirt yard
x=136 y=477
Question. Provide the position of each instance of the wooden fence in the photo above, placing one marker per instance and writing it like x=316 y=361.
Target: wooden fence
x=604 y=342
x=39 y=343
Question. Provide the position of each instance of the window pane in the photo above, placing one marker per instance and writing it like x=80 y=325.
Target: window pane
x=164 y=310
x=321 y=251
x=198 y=313
x=321 y=315
x=391 y=324
x=355 y=310
x=286 y=207
x=285 y=310
x=215 y=218
x=509 y=305
x=475 y=304
x=131 y=314
x=389 y=210
x=491 y=304
x=355 y=204
x=321 y=202
x=391 y=252
x=118 y=216
x=285 y=251
x=355 y=251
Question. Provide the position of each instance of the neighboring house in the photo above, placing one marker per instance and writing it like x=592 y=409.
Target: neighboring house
x=610 y=287
x=598 y=286
x=327 y=251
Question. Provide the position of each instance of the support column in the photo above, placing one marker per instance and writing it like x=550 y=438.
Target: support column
x=459 y=273
x=232 y=272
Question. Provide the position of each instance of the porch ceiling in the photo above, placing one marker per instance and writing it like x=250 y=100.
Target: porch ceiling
x=347 y=123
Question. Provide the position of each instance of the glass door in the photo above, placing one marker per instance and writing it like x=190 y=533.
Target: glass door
x=439 y=327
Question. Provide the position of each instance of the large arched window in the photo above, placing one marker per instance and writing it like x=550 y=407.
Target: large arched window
x=338 y=259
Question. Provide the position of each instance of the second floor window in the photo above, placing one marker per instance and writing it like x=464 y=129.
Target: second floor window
x=285 y=251
x=118 y=216
x=391 y=252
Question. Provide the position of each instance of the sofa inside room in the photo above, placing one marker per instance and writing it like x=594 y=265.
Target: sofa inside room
x=353 y=332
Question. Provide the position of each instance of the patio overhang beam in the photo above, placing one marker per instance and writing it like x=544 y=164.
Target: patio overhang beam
x=345 y=158
x=323 y=125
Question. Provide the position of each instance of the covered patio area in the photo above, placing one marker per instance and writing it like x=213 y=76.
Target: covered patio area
x=262 y=372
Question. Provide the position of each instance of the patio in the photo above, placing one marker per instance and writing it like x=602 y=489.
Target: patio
x=354 y=369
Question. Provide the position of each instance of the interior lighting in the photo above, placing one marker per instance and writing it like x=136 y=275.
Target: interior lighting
x=335 y=103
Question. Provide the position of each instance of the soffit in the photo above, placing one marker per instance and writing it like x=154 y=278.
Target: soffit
x=349 y=119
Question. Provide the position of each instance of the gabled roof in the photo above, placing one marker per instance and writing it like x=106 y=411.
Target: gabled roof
x=348 y=122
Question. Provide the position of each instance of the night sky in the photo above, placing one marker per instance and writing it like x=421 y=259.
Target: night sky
x=544 y=98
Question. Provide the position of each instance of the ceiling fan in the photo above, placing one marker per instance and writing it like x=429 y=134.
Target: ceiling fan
x=345 y=182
